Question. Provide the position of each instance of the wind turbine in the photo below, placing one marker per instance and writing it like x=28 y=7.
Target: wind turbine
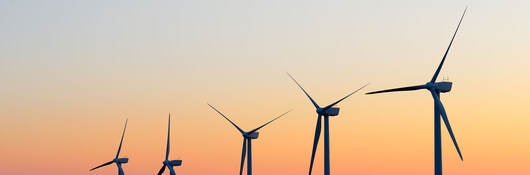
x=169 y=163
x=324 y=112
x=436 y=88
x=247 y=139
x=116 y=160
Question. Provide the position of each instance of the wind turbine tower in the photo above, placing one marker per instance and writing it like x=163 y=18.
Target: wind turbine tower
x=323 y=112
x=247 y=141
x=169 y=163
x=435 y=88
x=118 y=161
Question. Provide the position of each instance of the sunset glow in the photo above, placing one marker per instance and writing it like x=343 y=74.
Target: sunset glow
x=72 y=72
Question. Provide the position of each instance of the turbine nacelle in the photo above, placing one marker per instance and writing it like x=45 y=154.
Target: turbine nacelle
x=252 y=135
x=328 y=112
x=443 y=86
x=173 y=162
x=121 y=160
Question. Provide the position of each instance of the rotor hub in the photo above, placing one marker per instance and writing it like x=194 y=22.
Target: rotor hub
x=429 y=85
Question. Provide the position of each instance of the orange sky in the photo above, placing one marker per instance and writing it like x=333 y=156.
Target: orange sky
x=72 y=72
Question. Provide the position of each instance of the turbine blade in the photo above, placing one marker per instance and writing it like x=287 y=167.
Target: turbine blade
x=237 y=127
x=168 y=136
x=315 y=142
x=446 y=121
x=338 y=101
x=102 y=165
x=254 y=130
x=162 y=170
x=171 y=170
x=243 y=154
x=408 y=88
x=121 y=141
x=447 y=51
x=310 y=98
x=120 y=170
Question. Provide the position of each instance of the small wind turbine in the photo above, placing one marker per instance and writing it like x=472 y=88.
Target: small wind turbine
x=436 y=88
x=169 y=163
x=116 y=160
x=247 y=139
x=325 y=112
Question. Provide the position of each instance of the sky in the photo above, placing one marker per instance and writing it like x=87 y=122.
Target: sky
x=72 y=72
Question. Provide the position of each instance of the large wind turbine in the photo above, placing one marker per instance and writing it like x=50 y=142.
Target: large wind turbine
x=325 y=112
x=436 y=88
x=116 y=160
x=247 y=139
x=169 y=163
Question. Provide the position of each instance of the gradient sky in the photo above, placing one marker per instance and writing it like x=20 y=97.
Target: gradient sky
x=71 y=72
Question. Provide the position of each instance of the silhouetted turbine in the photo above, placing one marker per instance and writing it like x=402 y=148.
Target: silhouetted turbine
x=435 y=88
x=116 y=160
x=169 y=163
x=247 y=139
x=325 y=112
